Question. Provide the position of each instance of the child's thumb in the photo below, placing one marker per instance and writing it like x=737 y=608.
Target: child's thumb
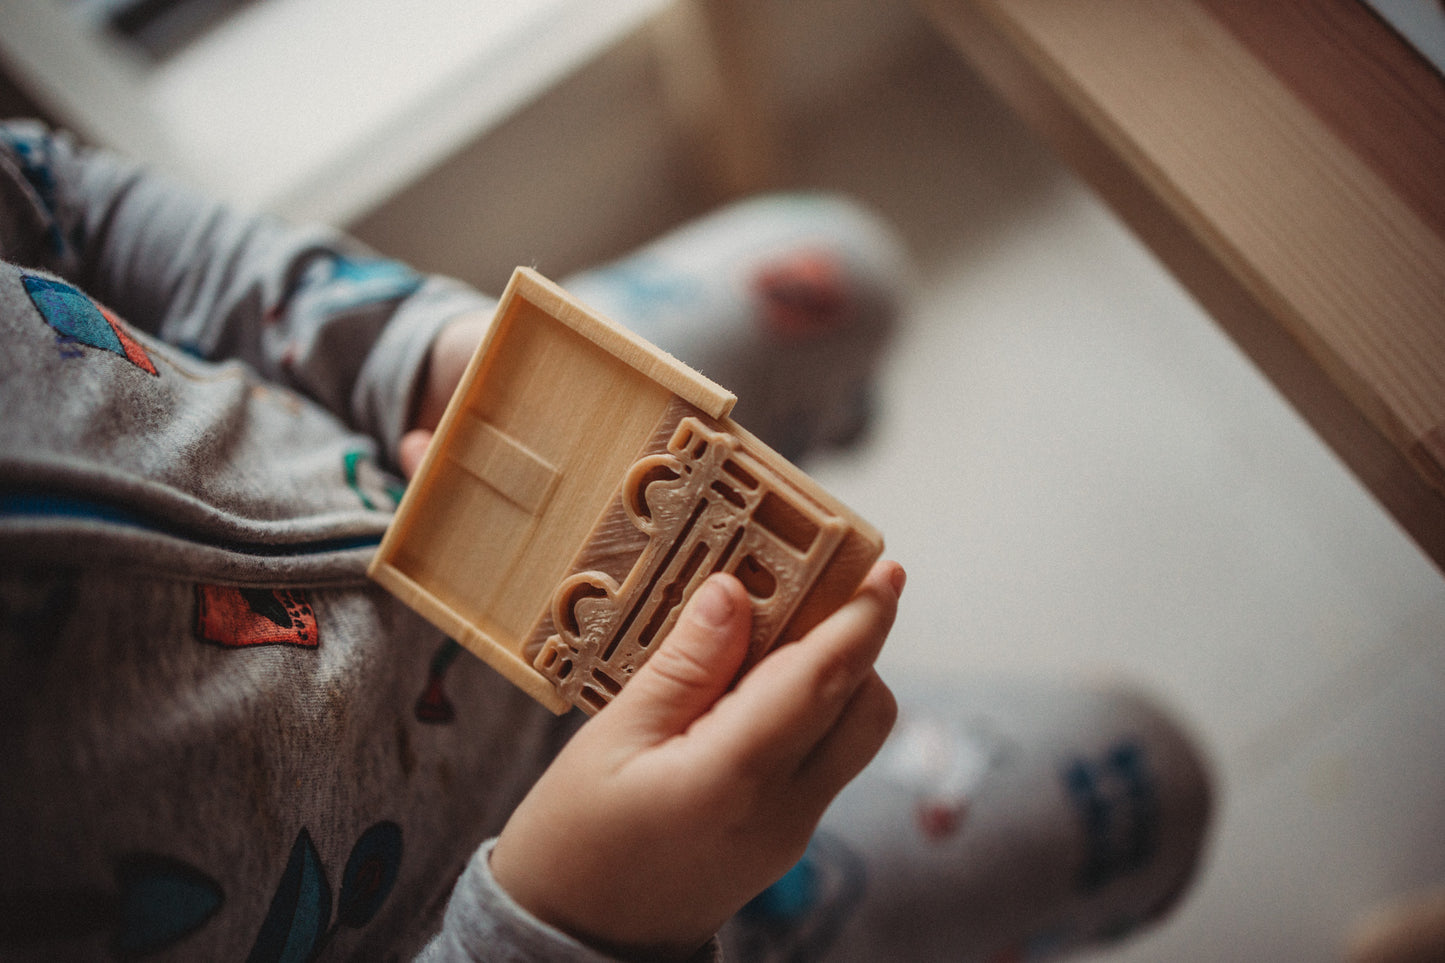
x=695 y=664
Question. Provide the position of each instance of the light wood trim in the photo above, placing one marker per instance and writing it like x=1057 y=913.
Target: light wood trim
x=645 y=358
x=504 y=463
x=1330 y=276
x=548 y=423
x=710 y=58
x=495 y=652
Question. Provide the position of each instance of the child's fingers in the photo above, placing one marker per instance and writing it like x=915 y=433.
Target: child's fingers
x=411 y=450
x=692 y=669
x=859 y=734
x=789 y=702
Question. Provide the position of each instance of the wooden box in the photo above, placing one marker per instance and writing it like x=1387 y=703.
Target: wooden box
x=581 y=485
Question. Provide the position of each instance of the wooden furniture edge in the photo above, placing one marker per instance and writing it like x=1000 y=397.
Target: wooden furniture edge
x=1403 y=474
x=1380 y=96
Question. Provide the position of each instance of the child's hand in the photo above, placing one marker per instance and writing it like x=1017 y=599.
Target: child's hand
x=446 y=363
x=683 y=799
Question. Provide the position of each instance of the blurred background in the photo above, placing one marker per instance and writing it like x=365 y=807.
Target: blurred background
x=1115 y=491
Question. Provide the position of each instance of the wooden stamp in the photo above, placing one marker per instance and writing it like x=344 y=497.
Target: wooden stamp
x=581 y=485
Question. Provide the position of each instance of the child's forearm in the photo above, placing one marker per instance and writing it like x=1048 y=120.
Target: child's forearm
x=307 y=307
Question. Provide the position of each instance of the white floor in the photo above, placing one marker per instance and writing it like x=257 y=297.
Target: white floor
x=1111 y=489
x=1083 y=477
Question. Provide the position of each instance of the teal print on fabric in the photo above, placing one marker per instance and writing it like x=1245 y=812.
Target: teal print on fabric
x=300 y=909
x=649 y=288
x=33 y=154
x=296 y=926
x=356 y=281
x=1117 y=803
x=79 y=320
x=160 y=901
x=351 y=467
x=337 y=285
x=71 y=313
x=376 y=271
x=802 y=915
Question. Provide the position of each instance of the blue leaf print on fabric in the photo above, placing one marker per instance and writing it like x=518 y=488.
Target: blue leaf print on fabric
x=161 y=901
x=300 y=910
x=370 y=873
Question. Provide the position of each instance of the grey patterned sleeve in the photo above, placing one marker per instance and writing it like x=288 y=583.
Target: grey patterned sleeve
x=483 y=923
x=307 y=306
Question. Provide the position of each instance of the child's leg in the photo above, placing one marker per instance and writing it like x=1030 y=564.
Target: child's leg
x=786 y=300
x=1000 y=822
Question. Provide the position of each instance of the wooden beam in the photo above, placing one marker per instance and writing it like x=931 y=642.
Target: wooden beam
x=1322 y=255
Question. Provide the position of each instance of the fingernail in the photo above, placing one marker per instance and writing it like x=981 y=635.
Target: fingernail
x=712 y=605
x=898 y=579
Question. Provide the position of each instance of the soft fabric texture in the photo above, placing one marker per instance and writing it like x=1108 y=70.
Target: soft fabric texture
x=219 y=737
x=1005 y=819
x=220 y=740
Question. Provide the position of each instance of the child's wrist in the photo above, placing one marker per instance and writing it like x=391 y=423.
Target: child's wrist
x=622 y=949
x=446 y=362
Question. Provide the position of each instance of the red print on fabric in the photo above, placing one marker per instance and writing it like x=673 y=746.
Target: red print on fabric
x=78 y=320
x=130 y=347
x=803 y=296
x=242 y=617
x=433 y=706
x=939 y=819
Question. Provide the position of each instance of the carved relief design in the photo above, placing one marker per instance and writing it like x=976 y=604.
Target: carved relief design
x=704 y=504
